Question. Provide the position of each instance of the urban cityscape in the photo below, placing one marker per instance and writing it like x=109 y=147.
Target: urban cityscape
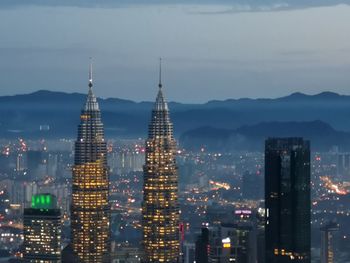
x=217 y=167
x=135 y=200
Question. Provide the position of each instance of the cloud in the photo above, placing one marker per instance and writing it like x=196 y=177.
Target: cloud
x=234 y=5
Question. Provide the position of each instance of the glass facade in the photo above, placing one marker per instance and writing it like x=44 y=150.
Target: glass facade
x=287 y=200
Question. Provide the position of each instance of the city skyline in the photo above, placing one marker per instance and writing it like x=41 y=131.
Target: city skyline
x=239 y=165
x=230 y=237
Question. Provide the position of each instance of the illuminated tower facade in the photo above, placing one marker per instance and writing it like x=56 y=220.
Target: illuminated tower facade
x=42 y=230
x=90 y=211
x=160 y=208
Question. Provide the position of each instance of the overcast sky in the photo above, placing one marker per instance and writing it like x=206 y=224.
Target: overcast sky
x=210 y=51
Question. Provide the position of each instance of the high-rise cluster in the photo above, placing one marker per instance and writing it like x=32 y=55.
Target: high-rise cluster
x=160 y=208
x=90 y=210
x=287 y=203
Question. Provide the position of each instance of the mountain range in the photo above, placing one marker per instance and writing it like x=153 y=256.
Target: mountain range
x=251 y=137
x=298 y=114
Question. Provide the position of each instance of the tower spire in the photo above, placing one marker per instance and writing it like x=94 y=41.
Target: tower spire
x=91 y=101
x=160 y=100
x=90 y=73
x=160 y=73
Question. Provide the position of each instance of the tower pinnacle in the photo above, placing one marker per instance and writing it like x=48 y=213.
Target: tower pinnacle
x=160 y=73
x=90 y=74
x=160 y=104
x=91 y=101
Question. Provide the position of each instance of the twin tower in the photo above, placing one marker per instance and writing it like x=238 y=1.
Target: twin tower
x=90 y=211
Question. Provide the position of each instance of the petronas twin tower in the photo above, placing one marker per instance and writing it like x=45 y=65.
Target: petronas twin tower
x=160 y=208
x=90 y=211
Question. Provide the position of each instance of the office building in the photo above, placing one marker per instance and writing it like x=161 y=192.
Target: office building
x=42 y=230
x=328 y=242
x=227 y=242
x=287 y=200
x=202 y=249
x=90 y=209
x=160 y=208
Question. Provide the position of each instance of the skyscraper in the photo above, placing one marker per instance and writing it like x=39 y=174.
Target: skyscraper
x=287 y=200
x=42 y=230
x=327 y=242
x=160 y=208
x=90 y=210
x=202 y=246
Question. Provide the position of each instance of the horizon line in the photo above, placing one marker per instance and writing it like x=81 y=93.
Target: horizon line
x=172 y=101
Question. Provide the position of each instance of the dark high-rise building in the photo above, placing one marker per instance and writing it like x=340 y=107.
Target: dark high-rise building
x=202 y=246
x=287 y=200
x=260 y=224
x=328 y=242
x=42 y=230
x=160 y=208
x=90 y=211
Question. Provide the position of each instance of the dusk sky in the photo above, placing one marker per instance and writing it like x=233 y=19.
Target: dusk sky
x=210 y=51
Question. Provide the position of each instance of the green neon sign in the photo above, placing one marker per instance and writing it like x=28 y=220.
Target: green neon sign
x=43 y=201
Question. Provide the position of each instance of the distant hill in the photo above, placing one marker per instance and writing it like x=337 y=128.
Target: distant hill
x=22 y=115
x=321 y=135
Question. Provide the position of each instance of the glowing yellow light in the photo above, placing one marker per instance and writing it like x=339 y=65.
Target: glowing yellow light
x=226 y=245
